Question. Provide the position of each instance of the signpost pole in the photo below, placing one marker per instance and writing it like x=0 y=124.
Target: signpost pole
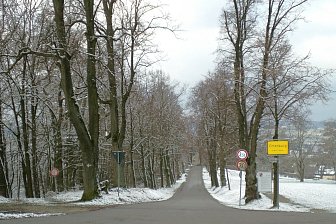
x=240 y=186
x=278 y=179
x=118 y=156
x=276 y=183
x=276 y=148
x=227 y=177
x=241 y=164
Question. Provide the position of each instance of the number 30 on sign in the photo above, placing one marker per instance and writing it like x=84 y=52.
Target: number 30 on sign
x=242 y=154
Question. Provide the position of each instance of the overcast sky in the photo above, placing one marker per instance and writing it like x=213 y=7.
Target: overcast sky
x=191 y=57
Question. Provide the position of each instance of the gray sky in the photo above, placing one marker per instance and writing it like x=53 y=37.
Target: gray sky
x=191 y=57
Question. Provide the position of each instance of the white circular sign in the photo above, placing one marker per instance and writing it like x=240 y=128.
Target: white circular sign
x=242 y=154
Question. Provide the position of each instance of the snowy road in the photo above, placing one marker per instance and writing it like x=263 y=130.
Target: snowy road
x=190 y=205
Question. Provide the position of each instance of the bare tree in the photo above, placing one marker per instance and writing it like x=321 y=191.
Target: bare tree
x=302 y=141
x=239 y=26
x=293 y=82
x=130 y=26
x=4 y=181
x=88 y=137
x=155 y=133
x=212 y=104
x=59 y=126
x=238 y=23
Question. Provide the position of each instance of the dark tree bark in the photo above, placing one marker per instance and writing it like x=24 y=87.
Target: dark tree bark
x=111 y=70
x=19 y=142
x=161 y=168
x=131 y=151
x=57 y=139
x=88 y=138
x=26 y=169
x=92 y=153
x=239 y=25
x=4 y=183
x=35 y=165
x=166 y=164
x=277 y=25
x=143 y=166
x=222 y=166
x=212 y=153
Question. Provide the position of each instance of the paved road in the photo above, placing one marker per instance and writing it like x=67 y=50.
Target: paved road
x=191 y=205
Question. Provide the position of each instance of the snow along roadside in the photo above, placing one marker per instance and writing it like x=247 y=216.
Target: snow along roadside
x=231 y=197
x=126 y=196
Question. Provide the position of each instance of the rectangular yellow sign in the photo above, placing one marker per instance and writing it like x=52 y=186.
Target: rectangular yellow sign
x=277 y=147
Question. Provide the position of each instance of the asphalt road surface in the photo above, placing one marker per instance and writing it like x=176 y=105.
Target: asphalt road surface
x=190 y=205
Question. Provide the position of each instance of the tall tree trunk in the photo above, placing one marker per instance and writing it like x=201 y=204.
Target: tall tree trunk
x=166 y=168
x=93 y=151
x=241 y=12
x=152 y=163
x=113 y=101
x=131 y=151
x=20 y=149
x=143 y=166
x=88 y=139
x=251 y=191
x=35 y=166
x=4 y=184
x=132 y=171
x=57 y=139
x=151 y=173
x=213 y=163
x=222 y=165
x=170 y=170
x=59 y=144
x=26 y=155
x=301 y=166
x=161 y=168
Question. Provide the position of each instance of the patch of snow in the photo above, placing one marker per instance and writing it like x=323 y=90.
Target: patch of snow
x=126 y=196
x=303 y=196
x=315 y=195
x=4 y=215
x=4 y=200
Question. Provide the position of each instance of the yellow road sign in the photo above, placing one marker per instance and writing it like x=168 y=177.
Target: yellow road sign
x=277 y=147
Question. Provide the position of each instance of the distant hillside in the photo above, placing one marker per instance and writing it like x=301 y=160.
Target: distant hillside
x=318 y=124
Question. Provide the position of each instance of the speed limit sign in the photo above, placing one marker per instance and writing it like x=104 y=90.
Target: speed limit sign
x=242 y=154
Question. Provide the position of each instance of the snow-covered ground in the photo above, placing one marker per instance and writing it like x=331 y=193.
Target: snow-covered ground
x=304 y=196
x=4 y=215
x=126 y=196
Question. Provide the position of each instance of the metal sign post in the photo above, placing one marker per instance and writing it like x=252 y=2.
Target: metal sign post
x=240 y=186
x=241 y=164
x=118 y=160
x=119 y=156
x=276 y=184
x=277 y=148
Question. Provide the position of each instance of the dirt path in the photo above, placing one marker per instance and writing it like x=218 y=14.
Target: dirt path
x=46 y=208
